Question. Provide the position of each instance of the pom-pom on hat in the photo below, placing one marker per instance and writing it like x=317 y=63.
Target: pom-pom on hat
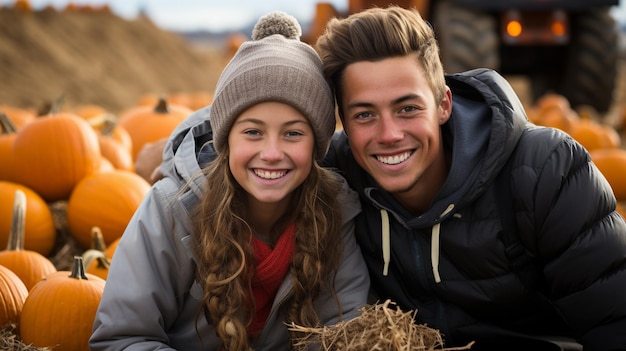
x=274 y=66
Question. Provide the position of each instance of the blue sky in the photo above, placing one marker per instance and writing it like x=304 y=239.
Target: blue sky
x=215 y=15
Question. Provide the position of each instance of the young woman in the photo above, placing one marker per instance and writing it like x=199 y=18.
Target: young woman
x=245 y=234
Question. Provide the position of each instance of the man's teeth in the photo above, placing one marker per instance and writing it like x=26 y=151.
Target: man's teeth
x=269 y=174
x=394 y=160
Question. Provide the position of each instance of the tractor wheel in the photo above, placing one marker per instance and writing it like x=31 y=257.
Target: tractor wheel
x=467 y=39
x=591 y=69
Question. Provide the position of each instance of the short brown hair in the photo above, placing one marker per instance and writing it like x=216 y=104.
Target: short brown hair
x=375 y=34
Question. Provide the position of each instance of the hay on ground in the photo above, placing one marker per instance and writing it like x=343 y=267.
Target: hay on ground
x=379 y=328
x=10 y=342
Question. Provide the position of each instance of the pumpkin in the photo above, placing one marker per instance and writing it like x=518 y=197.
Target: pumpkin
x=200 y=99
x=60 y=310
x=149 y=159
x=612 y=164
x=551 y=101
x=19 y=116
x=53 y=153
x=620 y=209
x=96 y=261
x=234 y=41
x=111 y=128
x=39 y=228
x=593 y=135
x=13 y=293
x=554 y=110
x=556 y=118
x=147 y=124
x=89 y=111
x=7 y=137
x=23 y=6
x=30 y=266
x=115 y=153
x=106 y=200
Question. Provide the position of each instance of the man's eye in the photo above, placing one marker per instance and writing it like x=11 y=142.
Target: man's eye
x=363 y=115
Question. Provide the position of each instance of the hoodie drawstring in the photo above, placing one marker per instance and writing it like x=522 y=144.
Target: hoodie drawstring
x=434 y=245
x=434 y=253
x=386 y=241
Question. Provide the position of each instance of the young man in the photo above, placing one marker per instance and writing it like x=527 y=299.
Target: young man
x=493 y=229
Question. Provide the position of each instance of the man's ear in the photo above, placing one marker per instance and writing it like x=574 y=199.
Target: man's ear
x=445 y=107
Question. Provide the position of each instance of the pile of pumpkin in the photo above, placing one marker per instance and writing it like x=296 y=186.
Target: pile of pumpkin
x=71 y=179
x=68 y=187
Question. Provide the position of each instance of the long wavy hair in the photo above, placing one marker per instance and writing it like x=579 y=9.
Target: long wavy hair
x=223 y=244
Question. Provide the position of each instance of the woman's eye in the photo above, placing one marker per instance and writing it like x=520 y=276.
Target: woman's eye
x=252 y=132
x=294 y=133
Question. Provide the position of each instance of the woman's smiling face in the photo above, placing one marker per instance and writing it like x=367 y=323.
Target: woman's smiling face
x=271 y=151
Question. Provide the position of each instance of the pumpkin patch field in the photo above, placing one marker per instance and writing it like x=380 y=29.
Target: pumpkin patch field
x=82 y=93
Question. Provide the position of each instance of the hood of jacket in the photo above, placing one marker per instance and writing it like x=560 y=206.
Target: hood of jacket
x=189 y=148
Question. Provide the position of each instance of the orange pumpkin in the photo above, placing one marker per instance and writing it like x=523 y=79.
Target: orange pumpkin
x=23 y=6
x=13 y=293
x=96 y=261
x=112 y=129
x=89 y=111
x=106 y=200
x=200 y=99
x=19 y=116
x=556 y=118
x=116 y=153
x=7 y=137
x=60 y=310
x=551 y=101
x=30 y=266
x=53 y=153
x=234 y=41
x=593 y=135
x=620 y=209
x=612 y=164
x=39 y=229
x=148 y=124
x=106 y=125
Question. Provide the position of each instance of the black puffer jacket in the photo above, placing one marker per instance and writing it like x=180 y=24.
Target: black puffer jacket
x=450 y=263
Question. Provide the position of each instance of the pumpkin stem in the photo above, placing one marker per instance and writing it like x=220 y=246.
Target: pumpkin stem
x=98 y=245
x=16 y=235
x=97 y=240
x=108 y=126
x=78 y=269
x=57 y=104
x=91 y=254
x=7 y=125
x=161 y=106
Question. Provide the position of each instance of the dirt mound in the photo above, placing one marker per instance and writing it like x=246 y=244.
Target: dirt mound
x=96 y=58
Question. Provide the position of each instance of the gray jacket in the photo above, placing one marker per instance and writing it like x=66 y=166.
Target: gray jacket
x=151 y=299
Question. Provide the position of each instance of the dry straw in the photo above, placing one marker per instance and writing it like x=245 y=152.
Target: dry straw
x=10 y=342
x=380 y=327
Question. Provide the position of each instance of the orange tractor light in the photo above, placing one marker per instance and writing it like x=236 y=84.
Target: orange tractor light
x=534 y=28
x=514 y=28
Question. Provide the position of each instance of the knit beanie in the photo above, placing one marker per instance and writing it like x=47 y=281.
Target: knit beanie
x=274 y=66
